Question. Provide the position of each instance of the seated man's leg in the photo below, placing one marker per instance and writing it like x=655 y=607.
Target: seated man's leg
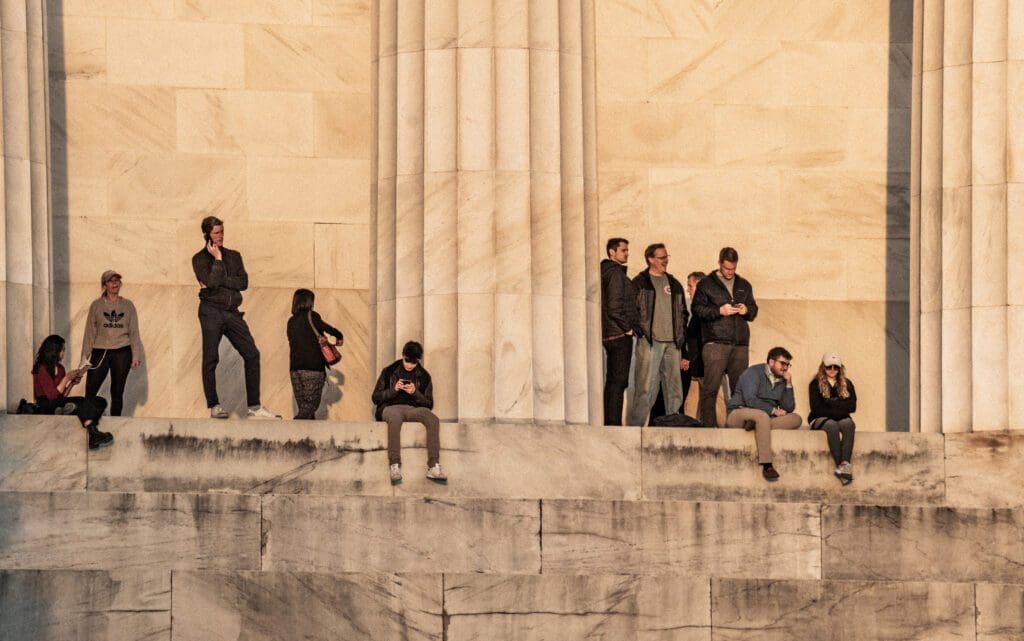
x=787 y=422
x=762 y=430
x=394 y=415
x=433 y=425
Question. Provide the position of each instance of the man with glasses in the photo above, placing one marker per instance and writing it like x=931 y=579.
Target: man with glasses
x=763 y=401
x=662 y=334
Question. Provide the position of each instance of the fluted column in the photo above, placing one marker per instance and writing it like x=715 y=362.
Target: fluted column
x=25 y=258
x=964 y=237
x=485 y=214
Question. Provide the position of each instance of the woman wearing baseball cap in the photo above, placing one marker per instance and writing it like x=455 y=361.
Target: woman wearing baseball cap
x=833 y=398
x=111 y=343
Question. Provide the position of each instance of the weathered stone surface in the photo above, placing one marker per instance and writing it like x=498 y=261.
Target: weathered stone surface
x=41 y=453
x=88 y=605
x=97 y=530
x=531 y=608
x=720 y=465
x=1000 y=611
x=253 y=457
x=698 y=539
x=922 y=543
x=984 y=469
x=848 y=610
x=526 y=461
x=214 y=606
x=357 y=534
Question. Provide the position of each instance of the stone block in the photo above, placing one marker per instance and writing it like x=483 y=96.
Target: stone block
x=251 y=457
x=362 y=534
x=1000 y=611
x=526 y=461
x=720 y=465
x=617 y=69
x=342 y=255
x=245 y=11
x=846 y=74
x=214 y=606
x=780 y=541
x=531 y=608
x=121 y=605
x=984 y=469
x=77 y=47
x=640 y=135
x=141 y=9
x=323 y=190
x=175 y=54
x=344 y=126
x=176 y=186
x=704 y=196
x=245 y=122
x=340 y=12
x=276 y=253
x=848 y=610
x=97 y=530
x=115 y=117
x=41 y=453
x=922 y=543
x=726 y=71
x=296 y=58
x=92 y=251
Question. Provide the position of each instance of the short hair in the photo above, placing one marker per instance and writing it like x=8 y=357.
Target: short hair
x=613 y=244
x=728 y=254
x=775 y=352
x=209 y=223
x=649 y=252
x=695 y=275
x=412 y=352
x=302 y=301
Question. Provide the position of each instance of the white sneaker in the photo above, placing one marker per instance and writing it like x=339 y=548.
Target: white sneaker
x=261 y=412
x=218 y=412
x=396 y=473
x=846 y=471
x=435 y=474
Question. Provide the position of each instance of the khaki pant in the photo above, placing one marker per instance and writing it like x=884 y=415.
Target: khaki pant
x=395 y=415
x=763 y=426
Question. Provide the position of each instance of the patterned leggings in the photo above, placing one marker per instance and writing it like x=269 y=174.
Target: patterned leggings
x=307 y=386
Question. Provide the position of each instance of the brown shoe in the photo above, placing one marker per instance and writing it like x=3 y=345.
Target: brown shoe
x=749 y=425
x=770 y=474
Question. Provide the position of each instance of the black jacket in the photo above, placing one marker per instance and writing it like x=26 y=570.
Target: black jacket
x=384 y=393
x=711 y=294
x=303 y=347
x=694 y=347
x=833 y=407
x=225 y=279
x=645 y=297
x=618 y=300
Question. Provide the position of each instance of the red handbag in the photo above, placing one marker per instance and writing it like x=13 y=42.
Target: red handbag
x=327 y=350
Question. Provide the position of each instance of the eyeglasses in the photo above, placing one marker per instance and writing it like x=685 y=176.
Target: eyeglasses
x=783 y=364
x=665 y=257
x=835 y=367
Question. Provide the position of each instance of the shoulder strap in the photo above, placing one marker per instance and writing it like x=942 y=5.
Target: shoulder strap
x=309 y=317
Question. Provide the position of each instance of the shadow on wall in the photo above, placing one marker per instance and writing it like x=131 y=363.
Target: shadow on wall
x=897 y=250
x=61 y=312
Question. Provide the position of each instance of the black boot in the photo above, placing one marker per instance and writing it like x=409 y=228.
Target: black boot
x=98 y=439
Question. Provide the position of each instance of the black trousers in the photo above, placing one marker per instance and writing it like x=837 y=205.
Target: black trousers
x=616 y=378
x=215 y=323
x=116 y=361
x=86 y=409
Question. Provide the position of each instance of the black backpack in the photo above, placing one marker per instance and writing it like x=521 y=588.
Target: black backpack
x=675 y=420
x=24 y=407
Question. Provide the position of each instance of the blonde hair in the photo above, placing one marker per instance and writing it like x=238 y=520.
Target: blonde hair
x=841 y=387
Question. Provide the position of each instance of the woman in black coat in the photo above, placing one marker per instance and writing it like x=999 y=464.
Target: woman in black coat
x=305 y=361
x=833 y=398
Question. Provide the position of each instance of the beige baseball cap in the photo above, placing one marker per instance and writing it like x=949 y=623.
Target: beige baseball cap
x=107 y=275
x=831 y=358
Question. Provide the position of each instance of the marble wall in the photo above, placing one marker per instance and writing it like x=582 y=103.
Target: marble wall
x=165 y=111
x=781 y=128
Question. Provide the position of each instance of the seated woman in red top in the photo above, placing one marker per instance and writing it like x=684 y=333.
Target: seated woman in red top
x=51 y=384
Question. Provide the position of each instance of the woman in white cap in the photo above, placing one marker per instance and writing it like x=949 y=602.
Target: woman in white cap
x=111 y=343
x=833 y=398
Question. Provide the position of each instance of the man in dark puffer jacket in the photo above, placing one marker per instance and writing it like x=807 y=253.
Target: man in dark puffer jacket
x=618 y=320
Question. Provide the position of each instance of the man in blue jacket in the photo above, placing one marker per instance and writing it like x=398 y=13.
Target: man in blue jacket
x=763 y=401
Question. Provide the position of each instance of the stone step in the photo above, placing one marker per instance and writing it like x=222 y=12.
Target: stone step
x=508 y=461
x=218 y=531
x=129 y=605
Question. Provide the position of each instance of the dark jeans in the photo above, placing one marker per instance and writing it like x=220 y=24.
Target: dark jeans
x=840 y=438
x=395 y=415
x=214 y=323
x=719 y=359
x=658 y=409
x=116 y=361
x=86 y=409
x=307 y=386
x=616 y=380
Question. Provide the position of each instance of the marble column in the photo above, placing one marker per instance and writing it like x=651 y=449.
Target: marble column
x=965 y=318
x=25 y=248
x=485 y=212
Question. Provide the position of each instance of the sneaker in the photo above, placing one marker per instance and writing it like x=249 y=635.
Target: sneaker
x=98 y=439
x=770 y=474
x=65 y=410
x=396 y=473
x=218 y=412
x=845 y=471
x=436 y=475
x=749 y=425
x=262 y=412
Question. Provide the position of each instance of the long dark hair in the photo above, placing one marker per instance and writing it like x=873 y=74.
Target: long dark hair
x=49 y=354
x=302 y=301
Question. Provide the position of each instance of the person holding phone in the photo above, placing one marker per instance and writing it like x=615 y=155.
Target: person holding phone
x=52 y=386
x=222 y=279
x=404 y=392
x=724 y=302
x=112 y=342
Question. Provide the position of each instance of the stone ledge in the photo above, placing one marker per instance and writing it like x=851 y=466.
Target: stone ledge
x=42 y=453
